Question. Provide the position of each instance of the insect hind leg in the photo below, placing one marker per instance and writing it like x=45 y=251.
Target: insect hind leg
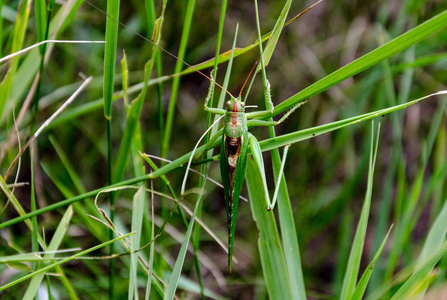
x=265 y=113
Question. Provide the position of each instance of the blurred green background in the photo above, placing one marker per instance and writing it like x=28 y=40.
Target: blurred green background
x=326 y=175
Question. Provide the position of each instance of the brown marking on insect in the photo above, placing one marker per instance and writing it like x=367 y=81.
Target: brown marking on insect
x=232 y=151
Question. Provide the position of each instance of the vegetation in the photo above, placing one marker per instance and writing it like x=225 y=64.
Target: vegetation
x=94 y=207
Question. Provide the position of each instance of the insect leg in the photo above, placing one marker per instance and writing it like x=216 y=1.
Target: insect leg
x=257 y=157
x=264 y=113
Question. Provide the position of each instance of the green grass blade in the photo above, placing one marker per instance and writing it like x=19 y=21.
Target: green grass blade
x=137 y=221
x=56 y=264
x=34 y=235
x=435 y=236
x=289 y=235
x=421 y=274
x=151 y=251
x=41 y=19
x=17 y=42
x=305 y=134
x=276 y=32
x=287 y=224
x=272 y=257
x=1 y=30
x=176 y=81
x=363 y=282
x=355 y=256
x=368 y=60
x=176 y=272
x=133 y=118
x=28 y=68
x=68 y=167
x=53 y=246
x=433 y=242
x=81 y=211
x=15 y=203
x=109 y=74
x=110 y=54
x=125 y=80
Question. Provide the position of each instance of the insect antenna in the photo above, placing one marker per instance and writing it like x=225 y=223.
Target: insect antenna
x=286 y=24
x=159 y=47
x=249 y=74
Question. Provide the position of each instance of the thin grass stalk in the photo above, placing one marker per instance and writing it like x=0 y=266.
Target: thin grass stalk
x=109 y=73
x=1 y=29
x=378 y=277
x=440 y=160
x=353 y=267
x=150 y=13
x=43 y=26
x=34 y=240
x=56 y=264
x=176 y=82
x=17 y=42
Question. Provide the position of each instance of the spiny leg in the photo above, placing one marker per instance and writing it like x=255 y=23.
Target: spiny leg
x=257 y=122
x=281 y=172
x=270 y=108
x=257 y=157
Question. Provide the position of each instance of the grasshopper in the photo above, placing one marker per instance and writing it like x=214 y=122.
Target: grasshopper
x=237 y=140
x=234 y=152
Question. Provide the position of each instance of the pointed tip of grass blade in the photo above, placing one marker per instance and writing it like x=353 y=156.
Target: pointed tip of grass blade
x=230 y=251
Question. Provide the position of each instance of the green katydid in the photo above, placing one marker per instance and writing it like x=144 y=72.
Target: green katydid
x=233 y=157
x=234 y=147
x=236 y=139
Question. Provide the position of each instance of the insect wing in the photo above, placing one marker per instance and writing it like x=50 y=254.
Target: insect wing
x=233 y=166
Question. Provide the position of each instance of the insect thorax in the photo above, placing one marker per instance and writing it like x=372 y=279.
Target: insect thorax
x=235 y=124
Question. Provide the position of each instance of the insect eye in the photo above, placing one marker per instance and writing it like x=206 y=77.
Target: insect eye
x=242 y=104
x=228 y=103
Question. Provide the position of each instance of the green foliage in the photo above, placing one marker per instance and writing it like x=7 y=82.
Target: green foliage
x=356 y=61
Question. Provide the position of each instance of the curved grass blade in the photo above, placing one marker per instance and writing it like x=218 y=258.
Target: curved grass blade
x=56 y=264
x=355 y=256
x=305 y=134
x=421 y=274
x=133 y=117
x=435 y=236
x=176 y=272
x=110 y=55
x=368 y=60
x=272 y=257
x=363 y=282
x=53 y=246
x=434 y=240
x=273 y=40
x=137 y=221
x=287 y=223
x=17 y=42
x=176 y=82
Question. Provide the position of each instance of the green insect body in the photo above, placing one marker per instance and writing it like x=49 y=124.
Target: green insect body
x=233 y=163
x=236 y=141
